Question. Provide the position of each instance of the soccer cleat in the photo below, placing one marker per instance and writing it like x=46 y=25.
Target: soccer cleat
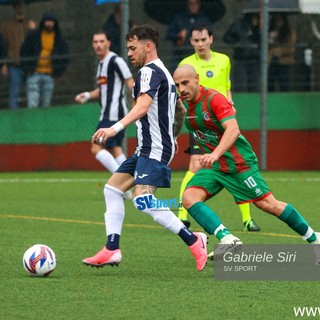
x=187 y=223
x=228 y=243
x=251 y=225
x=128 y=195
x=316 y=248
x=104 y=257
x=199 y=250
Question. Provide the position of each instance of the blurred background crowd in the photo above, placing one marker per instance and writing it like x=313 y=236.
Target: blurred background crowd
x=32 y=31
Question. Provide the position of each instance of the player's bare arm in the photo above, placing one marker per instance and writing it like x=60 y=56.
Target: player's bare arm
x=129 y=83
x=138 y=111
x=179 y=117
x=229 y=137
x=84 y=97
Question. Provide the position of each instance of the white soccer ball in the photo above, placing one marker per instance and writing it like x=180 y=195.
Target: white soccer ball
x=39 y=260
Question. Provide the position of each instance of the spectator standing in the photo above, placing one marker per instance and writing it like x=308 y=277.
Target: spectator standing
x=113 y=75
x=113 y=27
x=244 y=33
x=14 y=31
x=213 y=69
x=282 y=41
x=179 y=29
x=46 y=57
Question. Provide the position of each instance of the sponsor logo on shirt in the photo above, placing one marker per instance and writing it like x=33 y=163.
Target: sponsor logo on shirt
x=102 y=80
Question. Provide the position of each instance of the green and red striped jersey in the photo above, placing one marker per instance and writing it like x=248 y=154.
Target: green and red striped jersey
x=204 y=120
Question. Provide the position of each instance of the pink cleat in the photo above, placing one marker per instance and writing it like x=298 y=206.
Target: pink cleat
x=199 y=250
x=104 y=257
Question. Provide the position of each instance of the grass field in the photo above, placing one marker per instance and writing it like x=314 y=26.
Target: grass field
x=157 y=278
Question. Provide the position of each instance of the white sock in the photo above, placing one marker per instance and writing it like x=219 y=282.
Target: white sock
x=114 y=215
x=163 y=216
x=120 y=159
x=107 y=160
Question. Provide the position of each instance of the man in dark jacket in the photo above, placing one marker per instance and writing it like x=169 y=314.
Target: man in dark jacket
x=44 y=56
x=244 y=34
x=179 y=29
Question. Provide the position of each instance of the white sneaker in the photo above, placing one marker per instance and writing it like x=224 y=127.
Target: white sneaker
x=316 y=248
x=128 y=195
x=228 y=243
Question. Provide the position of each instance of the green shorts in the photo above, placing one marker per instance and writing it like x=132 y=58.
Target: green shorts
x=248 y=186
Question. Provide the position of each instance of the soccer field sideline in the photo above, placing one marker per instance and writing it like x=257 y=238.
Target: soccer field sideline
x=174 y=180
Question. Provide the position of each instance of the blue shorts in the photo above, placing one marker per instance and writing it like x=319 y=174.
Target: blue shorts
x=146 y=171
x=115 y=141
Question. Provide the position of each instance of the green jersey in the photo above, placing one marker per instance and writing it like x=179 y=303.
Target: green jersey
x=204 y=120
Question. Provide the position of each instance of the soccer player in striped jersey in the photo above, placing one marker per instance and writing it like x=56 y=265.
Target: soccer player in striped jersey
x=214 y=72
x=233 y=165
x=159 y=118
x=113 y=76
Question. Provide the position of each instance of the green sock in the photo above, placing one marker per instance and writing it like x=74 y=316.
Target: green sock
x=205 y=217
x=222 y=233
x=296 y=222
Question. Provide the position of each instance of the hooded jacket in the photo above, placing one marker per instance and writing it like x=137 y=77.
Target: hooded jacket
x=31 y=48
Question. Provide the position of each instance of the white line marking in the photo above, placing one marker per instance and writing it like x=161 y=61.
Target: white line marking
x=85 y=180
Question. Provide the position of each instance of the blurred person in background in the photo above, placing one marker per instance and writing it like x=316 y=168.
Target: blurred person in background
x=282 y=42
x=213 y=69
x=179 y=29
x=46 y=57
x=113 y=27
x=113 y=76
x=14 y=31
x=244 y=33
x=3 y=50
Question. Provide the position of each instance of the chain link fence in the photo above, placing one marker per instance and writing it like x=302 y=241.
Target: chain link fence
x=79 y=19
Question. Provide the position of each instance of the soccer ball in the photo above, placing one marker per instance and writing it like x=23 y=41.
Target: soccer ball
x=39 y=260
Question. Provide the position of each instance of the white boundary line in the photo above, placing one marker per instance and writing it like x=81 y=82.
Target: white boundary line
x=86 y=180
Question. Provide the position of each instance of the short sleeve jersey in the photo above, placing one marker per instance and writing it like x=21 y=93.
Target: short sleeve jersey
x=155 y=129
x=204 y=120
x=215 y=73
x=111 y=75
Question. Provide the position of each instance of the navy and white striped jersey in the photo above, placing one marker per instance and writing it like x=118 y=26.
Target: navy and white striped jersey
x=155 y=130
x=111 y=73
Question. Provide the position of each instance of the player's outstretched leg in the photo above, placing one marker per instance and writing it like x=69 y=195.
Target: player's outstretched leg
x=166 y=218
x=111 y=253
x=211 y=223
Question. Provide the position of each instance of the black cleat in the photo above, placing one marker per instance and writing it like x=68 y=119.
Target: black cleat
x=251 y=225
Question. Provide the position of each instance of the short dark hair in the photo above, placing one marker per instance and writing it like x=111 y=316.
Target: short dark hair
x=200 y=27
x=102 y=31
x=144 y=32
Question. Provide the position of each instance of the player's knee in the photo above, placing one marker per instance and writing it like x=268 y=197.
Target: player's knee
x=95 y=148
x=187 y=199
x=111 y=192
x=193 y=195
